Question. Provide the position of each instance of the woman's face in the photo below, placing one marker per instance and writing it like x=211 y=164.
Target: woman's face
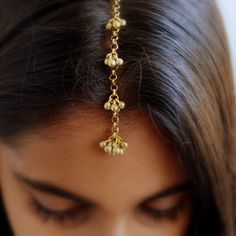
x=67 y=185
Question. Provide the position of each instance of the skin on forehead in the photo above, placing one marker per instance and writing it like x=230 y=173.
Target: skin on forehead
x=73 y=160
x=77 y=160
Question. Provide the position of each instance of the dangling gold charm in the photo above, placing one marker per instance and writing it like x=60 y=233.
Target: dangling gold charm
x=114 y=145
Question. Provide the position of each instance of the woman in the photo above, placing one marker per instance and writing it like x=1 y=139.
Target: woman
x=175 y=178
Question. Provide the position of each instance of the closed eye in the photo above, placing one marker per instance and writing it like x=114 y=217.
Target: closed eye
x=169 y=213
x=70 y=216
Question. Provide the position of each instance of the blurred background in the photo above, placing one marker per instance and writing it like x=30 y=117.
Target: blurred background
x=228 y=9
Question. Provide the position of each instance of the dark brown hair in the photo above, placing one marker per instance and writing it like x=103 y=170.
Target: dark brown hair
x=177 y=69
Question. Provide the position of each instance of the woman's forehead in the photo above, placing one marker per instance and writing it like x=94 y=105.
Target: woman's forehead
x=76 y=161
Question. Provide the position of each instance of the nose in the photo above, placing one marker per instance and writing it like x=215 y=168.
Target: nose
x=114 y=226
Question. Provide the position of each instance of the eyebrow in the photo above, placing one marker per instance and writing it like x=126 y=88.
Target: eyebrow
x=173 y=190
x=54 y=190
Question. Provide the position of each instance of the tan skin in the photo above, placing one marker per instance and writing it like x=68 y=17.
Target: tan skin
x=117 y=190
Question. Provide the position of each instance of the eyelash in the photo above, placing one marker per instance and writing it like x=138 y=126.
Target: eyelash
x=59 y=216
x=169 y=214
x=72 y=214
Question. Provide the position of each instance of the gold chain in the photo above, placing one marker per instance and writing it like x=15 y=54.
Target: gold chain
x=114 y=145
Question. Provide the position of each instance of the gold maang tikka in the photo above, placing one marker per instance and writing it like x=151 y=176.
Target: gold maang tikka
x=114 y=145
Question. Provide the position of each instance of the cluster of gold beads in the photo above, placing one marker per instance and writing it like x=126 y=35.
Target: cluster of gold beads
x=114 y=105
x=115 y=23
x=114 y=145
x=113 y=60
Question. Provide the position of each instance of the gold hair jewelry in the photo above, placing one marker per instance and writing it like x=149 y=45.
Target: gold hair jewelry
x=114 y=145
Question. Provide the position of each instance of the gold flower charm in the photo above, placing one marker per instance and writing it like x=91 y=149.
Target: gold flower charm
x=114 y=145
x=113 y=60
x=114 y=105
x=115 y=23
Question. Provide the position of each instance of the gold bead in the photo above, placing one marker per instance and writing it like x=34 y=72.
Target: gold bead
x=123 y=22
x=121 y=152
x=114 y=107
x=116 y=24
x=108 y=26
x=116 y=150
x=121 y=105
x=108 y=149
x=119 y=61
x=102 y=144
x=124 y=145
x=107 y=106
x=112 y=63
